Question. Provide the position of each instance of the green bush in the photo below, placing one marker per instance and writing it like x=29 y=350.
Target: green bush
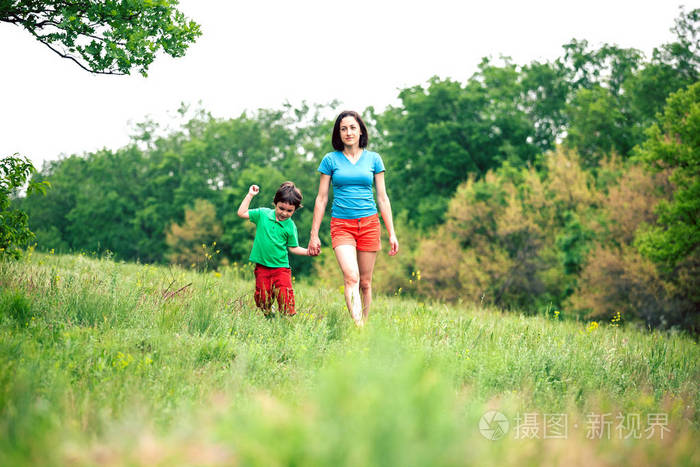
x=16 y=305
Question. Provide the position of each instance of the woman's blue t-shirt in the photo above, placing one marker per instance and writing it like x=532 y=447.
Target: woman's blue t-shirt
x=352 y=183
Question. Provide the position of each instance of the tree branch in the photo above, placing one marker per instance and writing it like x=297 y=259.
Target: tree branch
x=70 y=57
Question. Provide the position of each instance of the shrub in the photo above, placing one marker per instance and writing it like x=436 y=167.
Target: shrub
x=193 y=244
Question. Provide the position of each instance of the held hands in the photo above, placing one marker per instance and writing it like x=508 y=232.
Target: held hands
x=253 y=190
x=314 y=246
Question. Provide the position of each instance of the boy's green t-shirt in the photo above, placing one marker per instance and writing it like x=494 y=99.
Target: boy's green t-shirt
x=272 y=238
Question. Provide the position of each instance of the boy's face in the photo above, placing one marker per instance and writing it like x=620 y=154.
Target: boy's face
x=284 y=211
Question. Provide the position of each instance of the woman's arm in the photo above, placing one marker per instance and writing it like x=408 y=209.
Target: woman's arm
x=319 y=211
x=385 y=209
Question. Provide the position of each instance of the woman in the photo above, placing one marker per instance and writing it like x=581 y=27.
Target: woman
x=355 y=228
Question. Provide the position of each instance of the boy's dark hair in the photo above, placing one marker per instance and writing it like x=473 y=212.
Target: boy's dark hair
x=290 y=194
x=337 y=141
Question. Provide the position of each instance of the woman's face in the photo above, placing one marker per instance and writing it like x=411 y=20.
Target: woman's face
x=350 y=131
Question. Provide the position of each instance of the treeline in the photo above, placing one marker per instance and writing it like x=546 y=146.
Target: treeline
x=569 y=185
x=162 y=197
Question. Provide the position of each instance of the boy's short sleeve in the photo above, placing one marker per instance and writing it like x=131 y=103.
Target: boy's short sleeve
x=293 y=237
x=254 y=215
x=378 y=165
x=326 y=166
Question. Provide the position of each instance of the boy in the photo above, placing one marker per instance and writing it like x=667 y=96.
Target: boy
x=274 y=235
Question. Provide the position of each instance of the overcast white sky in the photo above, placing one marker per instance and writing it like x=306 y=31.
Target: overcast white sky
x=259 y=54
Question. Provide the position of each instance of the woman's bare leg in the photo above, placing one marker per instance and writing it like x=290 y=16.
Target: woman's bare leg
x=365 y=262
x=347 y=260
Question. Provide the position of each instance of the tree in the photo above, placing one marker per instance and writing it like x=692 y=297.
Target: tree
x=616 y=95
x=620 y=280
x=104 y=211
x=446 y=131
x=600 y=126
x=673 y=66
x=546 y=90
x=615 y=276
x=674 y=144
x=490 y=252
x=106 y=37
x=194 y=242
x=599 y=114
x=14 y=228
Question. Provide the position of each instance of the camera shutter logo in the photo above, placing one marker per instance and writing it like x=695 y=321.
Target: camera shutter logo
x=493 y=425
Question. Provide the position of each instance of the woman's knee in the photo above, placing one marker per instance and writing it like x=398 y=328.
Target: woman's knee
x=351 y=278
x=366 y=283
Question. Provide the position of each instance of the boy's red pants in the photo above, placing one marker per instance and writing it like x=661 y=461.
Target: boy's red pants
x=271 y=283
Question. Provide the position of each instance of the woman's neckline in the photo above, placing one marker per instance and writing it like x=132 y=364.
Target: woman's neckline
x=350 y=160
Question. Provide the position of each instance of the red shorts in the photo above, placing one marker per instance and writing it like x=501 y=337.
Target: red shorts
x=271 y=283
x=363 y=233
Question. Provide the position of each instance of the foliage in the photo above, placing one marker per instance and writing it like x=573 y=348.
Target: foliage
x=103 y=199
x=599 y=125
x=573 y=243
x=597 y=101
x=622 y=281
x=445 y=131
x=562 y=238
x=514 y=239
x=14 y=228
x=394 y=275
x=113 y=37
x=616 y=95
x=615 y=277
x=672 y=240
x=674 y=145
x=193 y=244
x=629 y=201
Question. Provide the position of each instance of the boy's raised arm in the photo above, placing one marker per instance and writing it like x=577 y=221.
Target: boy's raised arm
x=243 y=208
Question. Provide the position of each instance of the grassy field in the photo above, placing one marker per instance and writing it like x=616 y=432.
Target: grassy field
x=106 y=363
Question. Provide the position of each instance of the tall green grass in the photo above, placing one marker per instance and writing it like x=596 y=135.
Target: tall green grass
x=113 y=363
